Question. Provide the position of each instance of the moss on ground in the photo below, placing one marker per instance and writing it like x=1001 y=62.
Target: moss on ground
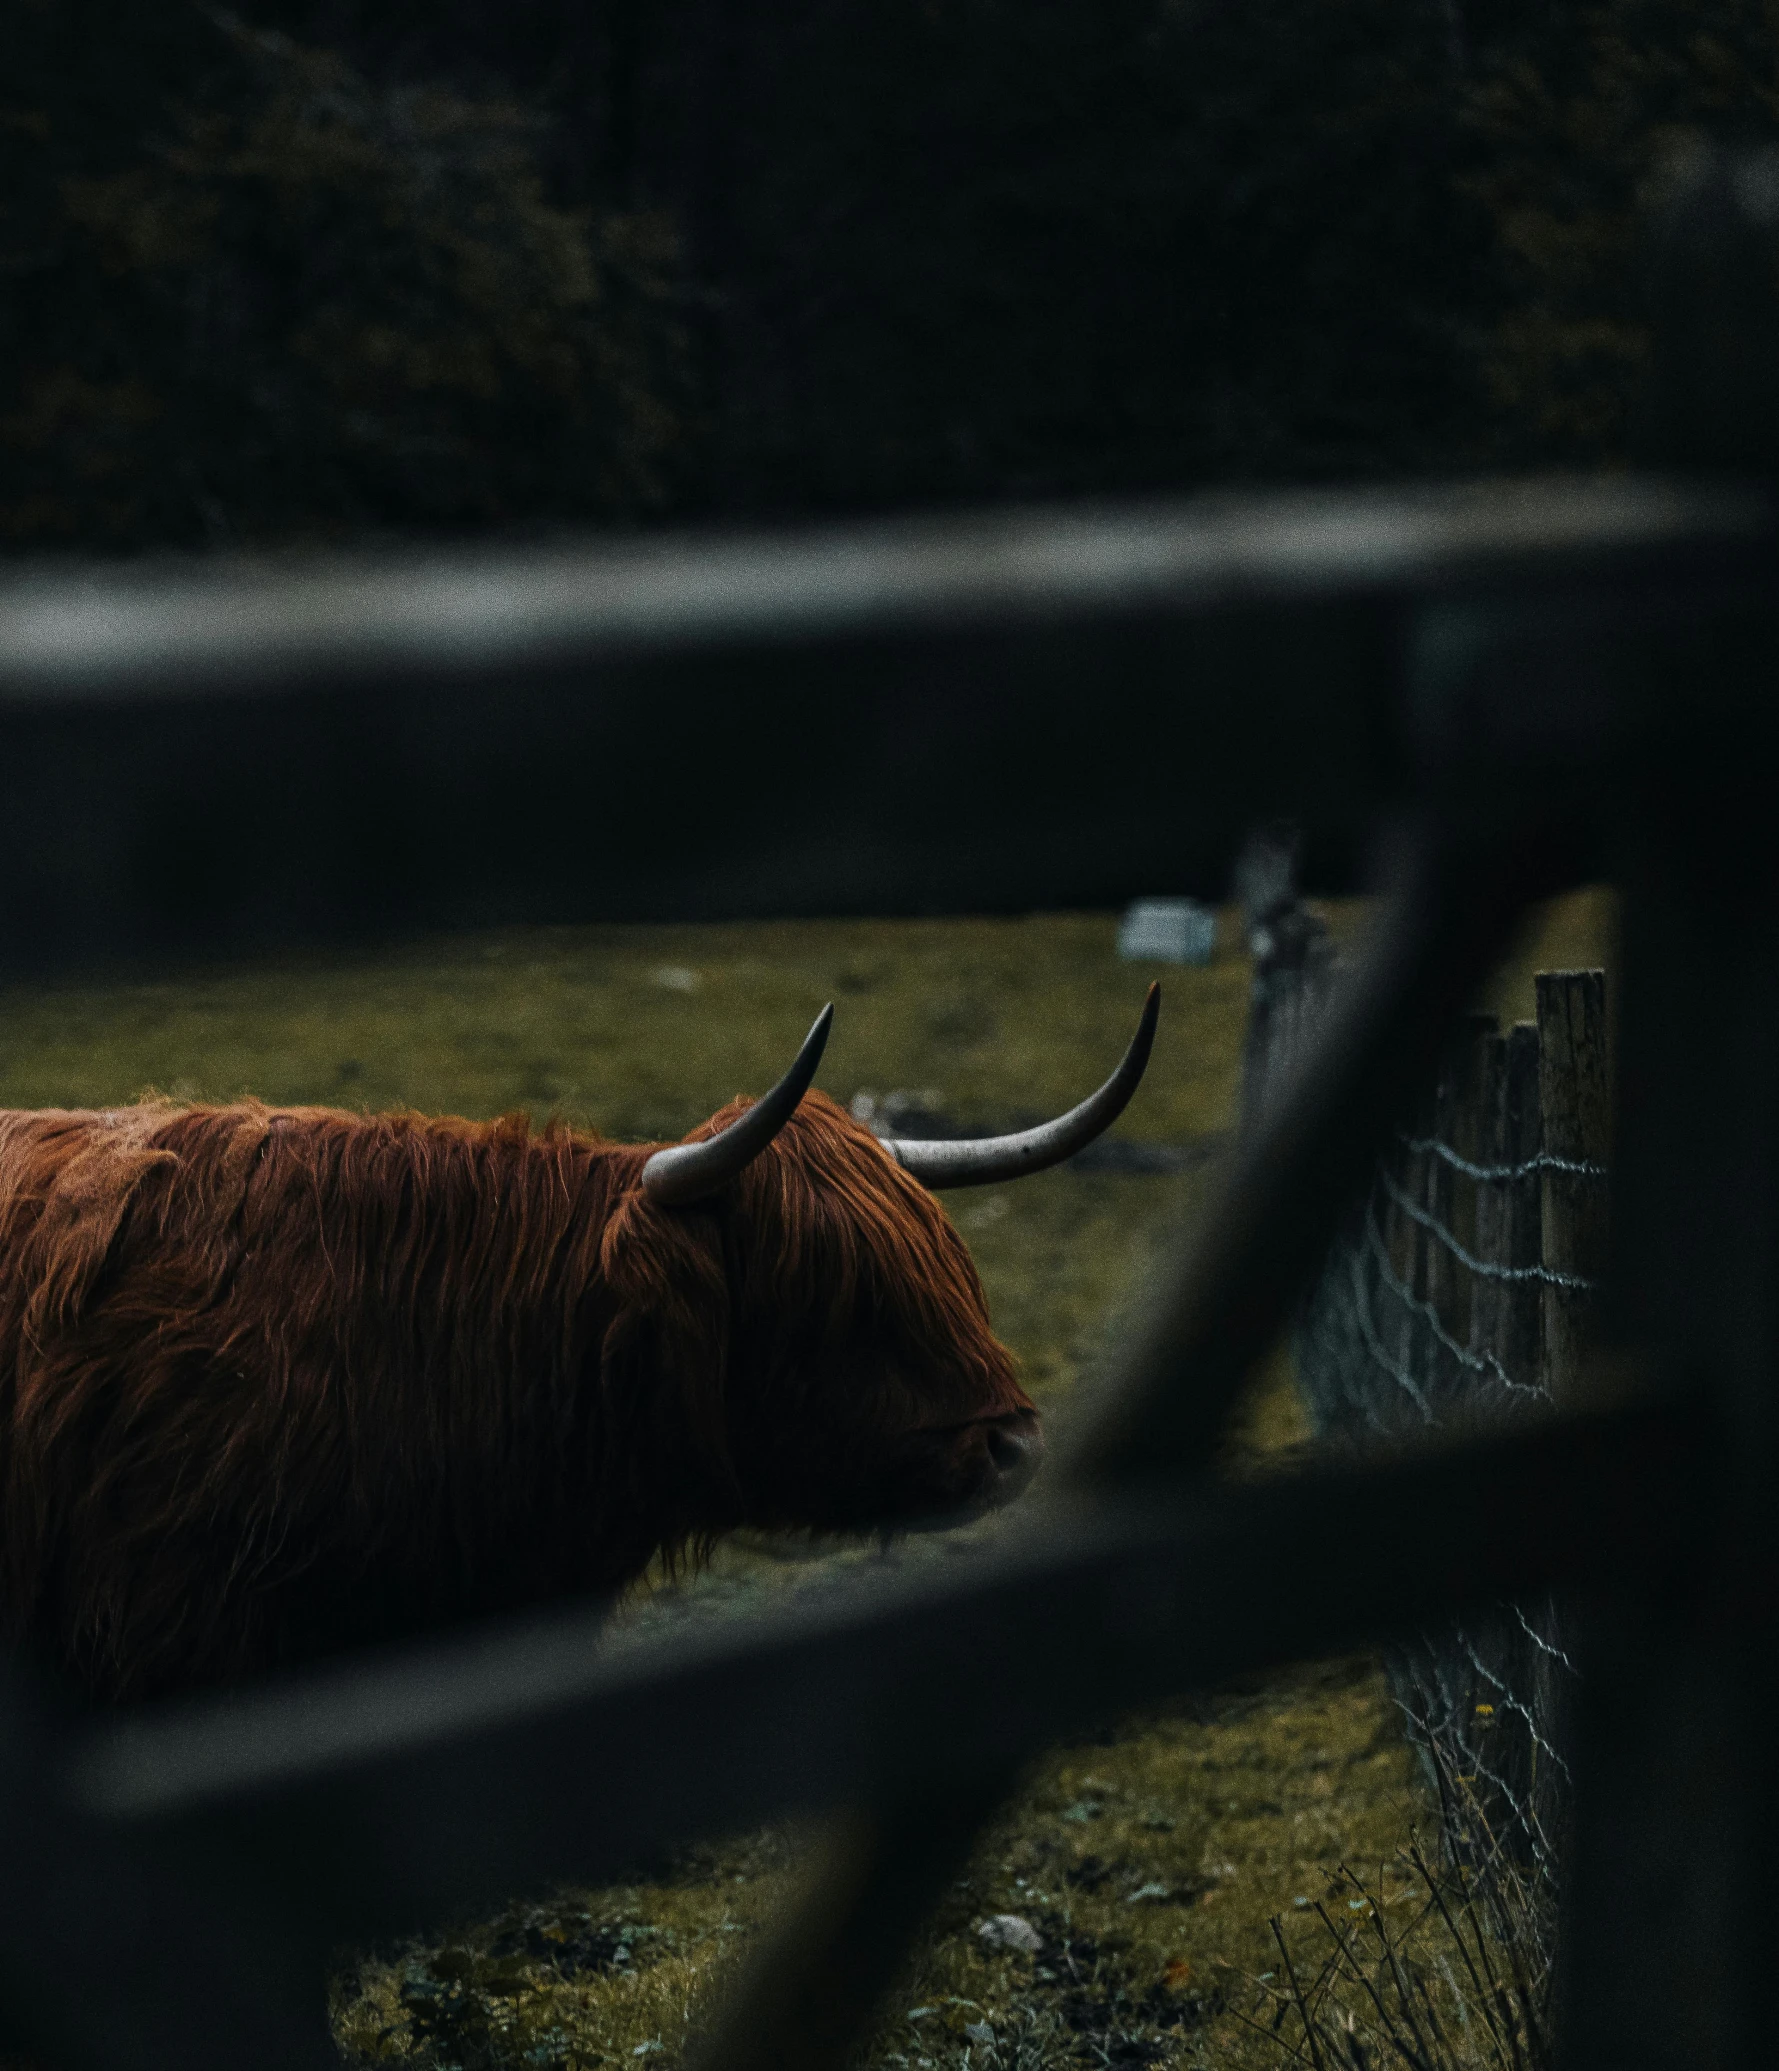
x=1150 y=1862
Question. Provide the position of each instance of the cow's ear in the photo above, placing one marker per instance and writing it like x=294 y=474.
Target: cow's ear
x=663 y=1364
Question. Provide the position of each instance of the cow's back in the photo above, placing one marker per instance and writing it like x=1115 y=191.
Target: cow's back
x=251 y=1367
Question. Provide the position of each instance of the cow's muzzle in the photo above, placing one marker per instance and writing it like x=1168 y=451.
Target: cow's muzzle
x=946 y=1476
x=1014 y=1450
x=975 y=1468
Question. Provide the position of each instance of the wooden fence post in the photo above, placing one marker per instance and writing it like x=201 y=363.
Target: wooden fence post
x=1576 y=1096
x=1409 y=1245
x=1489 y=1236
x=1439 y=1269
x=1520 y=1335
x=1465 y=1104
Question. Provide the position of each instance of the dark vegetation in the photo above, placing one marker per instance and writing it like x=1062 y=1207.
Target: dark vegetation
x=329 y=268
x=255 y=292
x=1443 y=1959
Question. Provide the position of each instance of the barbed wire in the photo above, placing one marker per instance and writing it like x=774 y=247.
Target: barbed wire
x=1545 y=1645
x=1471 y=1361
x=1483 y=1268
x=1545 y=1161
x=1394 y=1368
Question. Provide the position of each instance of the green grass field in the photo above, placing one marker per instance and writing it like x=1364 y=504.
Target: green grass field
x=1151 y=1861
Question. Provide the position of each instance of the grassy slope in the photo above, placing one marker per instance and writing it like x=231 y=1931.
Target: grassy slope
x=1151 y=1860
x=642 y=1031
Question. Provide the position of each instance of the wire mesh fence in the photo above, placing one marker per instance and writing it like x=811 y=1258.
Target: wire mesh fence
x=1454 y=1296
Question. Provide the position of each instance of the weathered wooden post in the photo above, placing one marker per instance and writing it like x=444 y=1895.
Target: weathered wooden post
x=1294 y=975
x=1413 y=1258
x=1442 y=1277
x=1520 y=1333
x=1474 y=1689
x=1576 y=1092
x=1464 y=1127
x=1489 y=1235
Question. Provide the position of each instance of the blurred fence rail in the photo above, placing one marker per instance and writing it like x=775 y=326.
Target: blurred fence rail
x=993 y=712
x=1540 y=686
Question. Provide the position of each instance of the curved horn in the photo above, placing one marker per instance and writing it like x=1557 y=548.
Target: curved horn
x=977 y=1161
x=688 y=1171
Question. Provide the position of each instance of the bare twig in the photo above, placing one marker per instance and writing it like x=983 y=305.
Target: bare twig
x=1303 y=2011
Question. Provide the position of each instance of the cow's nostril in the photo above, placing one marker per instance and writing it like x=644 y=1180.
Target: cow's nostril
x=1015 y=1448
x=1006 y=1449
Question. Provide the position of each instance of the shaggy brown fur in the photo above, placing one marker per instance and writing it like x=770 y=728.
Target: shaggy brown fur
x=277 y=1382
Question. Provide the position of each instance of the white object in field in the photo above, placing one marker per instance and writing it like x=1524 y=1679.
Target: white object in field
x=1167 y=931
x=1009 y=1931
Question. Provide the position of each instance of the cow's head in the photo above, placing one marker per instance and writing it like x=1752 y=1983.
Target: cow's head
x=846 y=1371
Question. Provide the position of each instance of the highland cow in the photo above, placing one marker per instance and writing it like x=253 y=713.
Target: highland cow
x=279 y=1383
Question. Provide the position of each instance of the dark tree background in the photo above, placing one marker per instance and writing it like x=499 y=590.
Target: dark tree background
x=343 y=266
